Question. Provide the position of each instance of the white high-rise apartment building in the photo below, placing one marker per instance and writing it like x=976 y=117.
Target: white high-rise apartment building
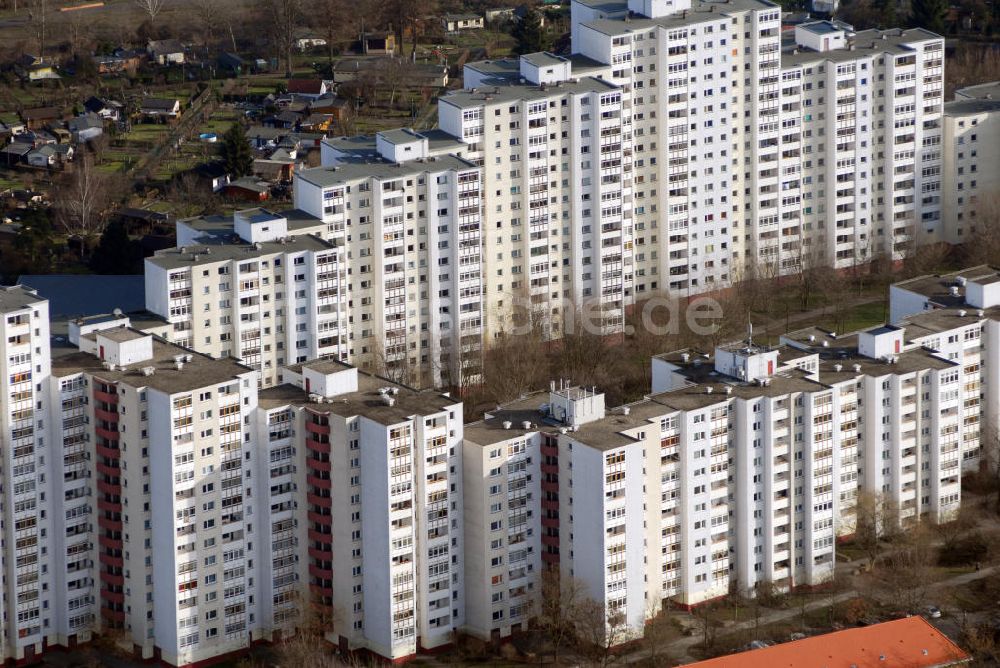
x=380 y=266
x=365 y=490
x=971 y=159
x=740 y=469
x=33 y=584
x=194 y=513
x=170 y=451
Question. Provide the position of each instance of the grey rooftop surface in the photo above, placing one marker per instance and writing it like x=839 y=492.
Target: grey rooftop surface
x=944 y=319
x=543 y=59
x=17 y=297
x=984 y=91
x=400 y=136
x=865 y=43
x=201 y=371
x=196 y=255
x=367 y=401
x=525 y=92
x=968 y=107
x=122 y=334
x=937 y=287
x=381 y=170
x=72 y=295
x=702 y=11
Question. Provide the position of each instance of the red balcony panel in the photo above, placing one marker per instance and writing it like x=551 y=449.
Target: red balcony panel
x=317 y=465
x=104 y=504
x=113 y=579
x=104 y=469
x=550 y=468
x=319 y=501
x=319 y=518
x=105 y=433
x=106 y=523
x=317 y=428
x=549 y=450
x=107 y=416
x=322 y=573
x=112 y=596
x=550 y=540
x=315 y=445
x=550 y=522
x=548 y=504
x=316 y=536
x=105 y=397
x=111 y=453
x=319 y=483
x=110 y=560
x=105 y=487
x=113 y=543
x=320 y=555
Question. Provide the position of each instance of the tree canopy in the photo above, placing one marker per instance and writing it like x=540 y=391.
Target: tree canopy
x=529 y=33
x=236 y=153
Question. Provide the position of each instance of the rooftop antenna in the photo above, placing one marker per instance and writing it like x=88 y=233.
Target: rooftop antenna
x=749 y=332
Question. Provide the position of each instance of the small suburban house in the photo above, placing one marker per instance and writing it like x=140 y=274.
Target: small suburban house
x=500 y=14
x=165 y=51
x=308 y=88
x=86 y=127
x=43 y=156
x=377 y=43
x=247 y=189
x=161 y=108
x=456 y=22
x=39 y=117
x=212 y=175
x=34 y=68
x=15 y=153
x=108 y=110
x=305 y=40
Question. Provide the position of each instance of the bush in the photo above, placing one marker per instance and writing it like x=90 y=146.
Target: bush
x=967 y=550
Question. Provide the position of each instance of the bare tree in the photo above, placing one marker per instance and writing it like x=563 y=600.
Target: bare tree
x=983 y=244
x=876 y=518
x=600 y=631
x=38 y=17
x=151 y=7
x=659 y=634
x=81 y=204
x=563 y=609
x=989 y=461
x=391 y=74
x=904 y=577
x=282 y=18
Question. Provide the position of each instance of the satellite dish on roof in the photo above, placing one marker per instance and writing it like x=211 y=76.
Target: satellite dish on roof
x=117 y=313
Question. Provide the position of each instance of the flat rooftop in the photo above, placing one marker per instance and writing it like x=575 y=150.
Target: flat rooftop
x=367 y=401
x=524 y=92
x=17 y=297
x=201 y=371
x=937 y=288
x=382 y=170
x=201 y=254
x=983 y=91
x=861 y=45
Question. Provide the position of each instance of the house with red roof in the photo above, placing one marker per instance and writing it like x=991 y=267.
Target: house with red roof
x=911 y=642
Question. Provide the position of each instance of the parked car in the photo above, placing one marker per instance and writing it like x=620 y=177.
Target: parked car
x=933 y=612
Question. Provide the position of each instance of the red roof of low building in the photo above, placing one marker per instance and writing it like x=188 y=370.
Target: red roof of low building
x=911 y=642
x=305 y=86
